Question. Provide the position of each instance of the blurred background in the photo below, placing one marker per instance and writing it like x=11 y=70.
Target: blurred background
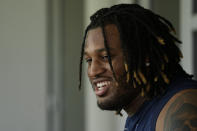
x=40 y=44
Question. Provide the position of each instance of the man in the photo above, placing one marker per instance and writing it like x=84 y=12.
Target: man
x=133 y=64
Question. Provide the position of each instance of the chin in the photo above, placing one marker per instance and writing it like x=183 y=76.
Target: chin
x=108 y=106
x=114 y=102
x=117 y=98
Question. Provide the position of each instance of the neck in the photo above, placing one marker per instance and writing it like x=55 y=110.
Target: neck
x=134 y=106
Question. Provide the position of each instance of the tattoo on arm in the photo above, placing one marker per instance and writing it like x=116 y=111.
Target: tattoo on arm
x=182 y=113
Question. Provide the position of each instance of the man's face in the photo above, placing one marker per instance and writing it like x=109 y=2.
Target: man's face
x=110 y=95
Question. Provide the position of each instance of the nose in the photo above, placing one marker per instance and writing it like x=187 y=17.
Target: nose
x=96 y=68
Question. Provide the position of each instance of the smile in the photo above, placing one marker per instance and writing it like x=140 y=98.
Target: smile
x=103 y=83
x=102 y=87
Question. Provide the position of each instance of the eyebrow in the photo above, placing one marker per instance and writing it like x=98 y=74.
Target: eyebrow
x=100 y=50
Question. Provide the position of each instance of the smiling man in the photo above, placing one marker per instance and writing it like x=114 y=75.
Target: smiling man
x=99 y=70
x=133 y=64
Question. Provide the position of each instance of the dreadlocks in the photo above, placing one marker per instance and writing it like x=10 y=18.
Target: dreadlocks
x=151 y=55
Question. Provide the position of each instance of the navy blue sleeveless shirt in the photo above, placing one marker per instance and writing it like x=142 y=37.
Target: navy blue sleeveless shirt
x=145 y=118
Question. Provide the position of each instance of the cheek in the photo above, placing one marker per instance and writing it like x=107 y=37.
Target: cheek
x=119 y=68
x=88 y=70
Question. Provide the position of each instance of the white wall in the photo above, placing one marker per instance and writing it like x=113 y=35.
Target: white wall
x=186 y=29
x=22 y=65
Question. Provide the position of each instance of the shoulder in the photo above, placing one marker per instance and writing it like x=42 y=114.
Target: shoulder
x=180 y=112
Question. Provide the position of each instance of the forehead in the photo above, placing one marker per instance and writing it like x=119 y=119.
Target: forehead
x=95 y=39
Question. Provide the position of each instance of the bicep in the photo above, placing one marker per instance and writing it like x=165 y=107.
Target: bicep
x=181 y=115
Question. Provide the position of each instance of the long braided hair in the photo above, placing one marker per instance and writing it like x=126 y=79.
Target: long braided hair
x=149 y=46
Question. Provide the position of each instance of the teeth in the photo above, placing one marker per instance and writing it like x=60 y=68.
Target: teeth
x=100 y=88
x=104 y=83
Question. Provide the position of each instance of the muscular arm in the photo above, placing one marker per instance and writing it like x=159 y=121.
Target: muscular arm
x=181 y=112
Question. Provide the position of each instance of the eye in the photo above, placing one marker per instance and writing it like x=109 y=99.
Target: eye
x=105 y=57
x=88 y=60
